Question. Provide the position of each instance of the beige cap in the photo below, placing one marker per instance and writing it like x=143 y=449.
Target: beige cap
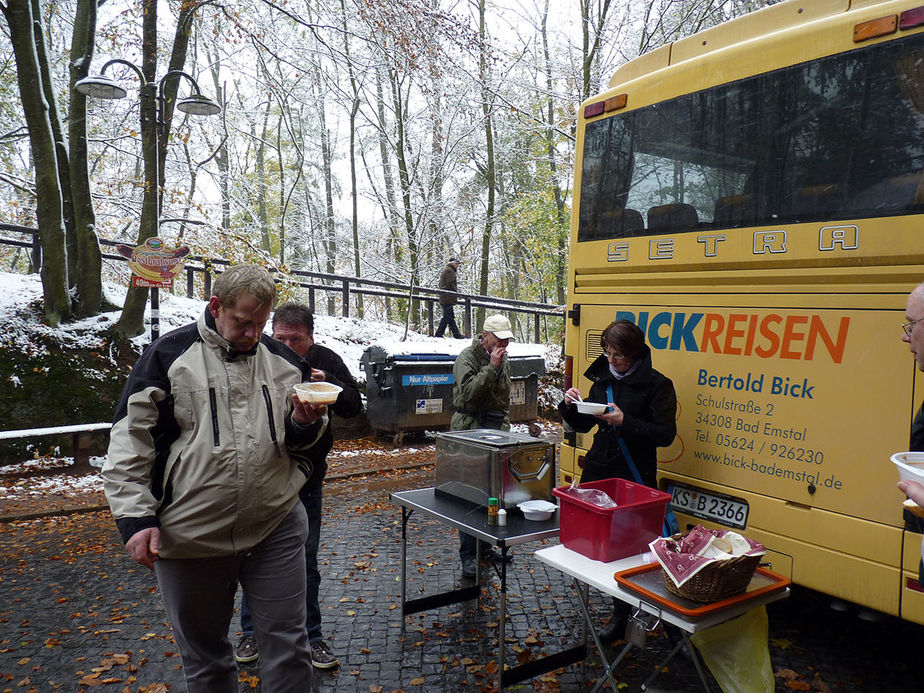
x=499 y=326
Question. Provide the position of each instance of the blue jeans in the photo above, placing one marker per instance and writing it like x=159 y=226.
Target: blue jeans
x=311 y=497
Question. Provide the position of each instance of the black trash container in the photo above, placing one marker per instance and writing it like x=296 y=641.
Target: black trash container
x=407 y=392
x=525 y=372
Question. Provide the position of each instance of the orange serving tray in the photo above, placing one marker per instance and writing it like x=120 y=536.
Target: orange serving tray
x=648 y=581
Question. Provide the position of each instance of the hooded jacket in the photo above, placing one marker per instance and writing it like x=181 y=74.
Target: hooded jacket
x=204 y=445
x=649 y=403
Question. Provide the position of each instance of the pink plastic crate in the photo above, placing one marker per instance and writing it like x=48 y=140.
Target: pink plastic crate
x=608 y=534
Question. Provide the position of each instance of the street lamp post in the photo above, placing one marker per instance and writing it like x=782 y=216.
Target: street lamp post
x=153 y=104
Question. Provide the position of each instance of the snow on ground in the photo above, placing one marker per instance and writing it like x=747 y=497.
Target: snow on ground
x=20 y=327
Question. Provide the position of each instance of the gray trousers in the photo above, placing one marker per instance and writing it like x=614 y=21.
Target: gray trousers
x=199 y=596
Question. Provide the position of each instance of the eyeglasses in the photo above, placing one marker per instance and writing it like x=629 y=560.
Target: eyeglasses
x=908 y=327
x=615 y=355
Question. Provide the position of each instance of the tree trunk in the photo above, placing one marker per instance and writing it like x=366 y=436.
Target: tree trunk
x=61 y=153
x=262 y=214
x=489 y=170
x=330 y=230
x=89 y=257
x=49 y=209
x=591 y=33
x=404 y=180
x=131 y=321
x=153 y=144
x=282 y=192
x=354 y=109
x=391 y=202
x=222 y=156
x=561 y=216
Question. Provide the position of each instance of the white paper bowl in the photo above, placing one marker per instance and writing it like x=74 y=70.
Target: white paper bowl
x=591 y=407
x=910 y=465
x=537 y=509
x=318 y=393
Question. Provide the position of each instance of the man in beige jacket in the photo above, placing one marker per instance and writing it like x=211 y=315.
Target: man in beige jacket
x=206 y=458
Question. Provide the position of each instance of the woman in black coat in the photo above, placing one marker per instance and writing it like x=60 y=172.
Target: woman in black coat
x=642 y=417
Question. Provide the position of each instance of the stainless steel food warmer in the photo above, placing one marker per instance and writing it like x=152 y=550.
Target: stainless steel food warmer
x=483 y=463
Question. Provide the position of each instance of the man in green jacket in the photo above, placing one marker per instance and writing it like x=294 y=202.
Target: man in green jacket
x=481 y=399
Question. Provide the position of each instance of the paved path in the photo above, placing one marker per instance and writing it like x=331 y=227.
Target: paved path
x=77 y=615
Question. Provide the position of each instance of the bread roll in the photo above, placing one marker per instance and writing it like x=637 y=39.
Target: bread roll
x=913 y=508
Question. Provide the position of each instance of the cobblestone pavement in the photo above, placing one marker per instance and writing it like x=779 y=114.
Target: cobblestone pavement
x=77 y=615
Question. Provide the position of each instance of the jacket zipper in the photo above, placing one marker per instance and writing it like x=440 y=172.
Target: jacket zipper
x=213 y=403
x=272 y=421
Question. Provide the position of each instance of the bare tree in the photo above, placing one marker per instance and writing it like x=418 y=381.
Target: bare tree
x=23 y=25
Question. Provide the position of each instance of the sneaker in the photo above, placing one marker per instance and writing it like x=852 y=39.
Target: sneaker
x=469 y=568
x=322 y=657
x=246 y=650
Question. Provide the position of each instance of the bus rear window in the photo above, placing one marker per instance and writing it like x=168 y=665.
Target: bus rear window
x=837 y=138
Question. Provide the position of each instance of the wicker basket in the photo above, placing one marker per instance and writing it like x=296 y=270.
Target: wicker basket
x=718 y=580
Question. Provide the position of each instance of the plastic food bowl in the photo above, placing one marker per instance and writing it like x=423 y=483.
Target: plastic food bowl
x=910 y=465
x=537 y=509
x=318 y=393
x=591 y=407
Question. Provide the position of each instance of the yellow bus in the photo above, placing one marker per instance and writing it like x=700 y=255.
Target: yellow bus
x=752 y=197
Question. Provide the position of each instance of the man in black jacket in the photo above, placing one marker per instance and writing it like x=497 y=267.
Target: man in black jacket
x=293 y=325
x=449 y=286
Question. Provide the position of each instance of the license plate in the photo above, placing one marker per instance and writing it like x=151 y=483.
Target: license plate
x=717 y=508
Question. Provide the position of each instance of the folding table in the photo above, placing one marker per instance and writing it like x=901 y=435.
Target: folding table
x=689 y=617
x=473 y=519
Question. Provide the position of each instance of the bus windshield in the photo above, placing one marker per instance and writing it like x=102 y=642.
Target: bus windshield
x=836 y=138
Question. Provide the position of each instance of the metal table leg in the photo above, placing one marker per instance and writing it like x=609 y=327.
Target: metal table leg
x=405 y=516
x=588 y=623
x=502 y=623
x=685 y=640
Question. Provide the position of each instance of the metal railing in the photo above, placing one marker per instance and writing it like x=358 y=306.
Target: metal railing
x=342 y=286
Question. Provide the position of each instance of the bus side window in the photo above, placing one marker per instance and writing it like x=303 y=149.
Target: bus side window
x=619 y=223
x=904 y=193
x=735 y=210
x=674 y=217
x=817 y=202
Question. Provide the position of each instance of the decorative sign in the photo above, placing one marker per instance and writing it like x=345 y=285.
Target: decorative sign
x=153 y=265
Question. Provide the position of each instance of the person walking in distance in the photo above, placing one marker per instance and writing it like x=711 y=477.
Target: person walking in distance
x=207 y=453
x=449 y=288
x=293 y=325
x=481 y=398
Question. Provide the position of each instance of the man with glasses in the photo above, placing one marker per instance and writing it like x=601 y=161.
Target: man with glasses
x=913 y=335
x=640 y=418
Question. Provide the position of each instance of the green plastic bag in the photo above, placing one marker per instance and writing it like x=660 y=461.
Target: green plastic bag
x=737 y=653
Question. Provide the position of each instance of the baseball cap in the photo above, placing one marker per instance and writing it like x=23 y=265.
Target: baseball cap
x=499 y=326
x=454 y=259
